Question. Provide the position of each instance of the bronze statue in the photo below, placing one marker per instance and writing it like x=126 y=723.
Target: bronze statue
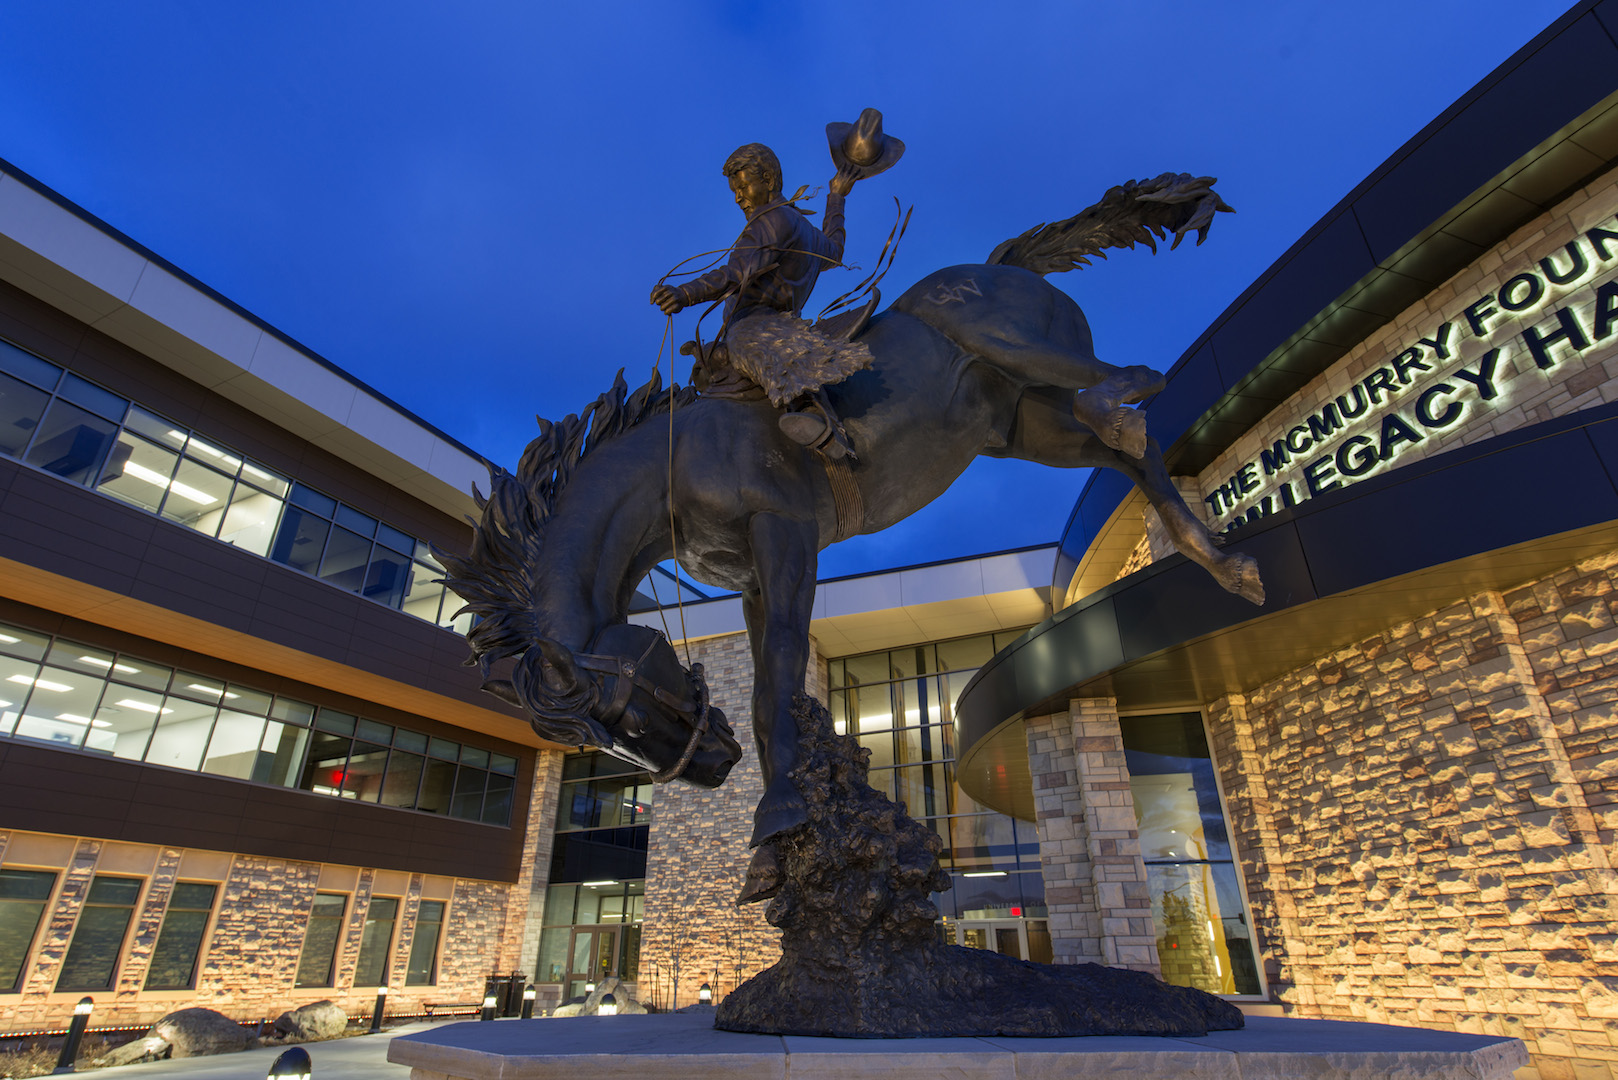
x=982 y=358
x=766 y=282
x=974 y=359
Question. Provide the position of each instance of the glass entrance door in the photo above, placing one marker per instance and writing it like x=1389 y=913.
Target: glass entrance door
x=593 y=955
x=1008 y=937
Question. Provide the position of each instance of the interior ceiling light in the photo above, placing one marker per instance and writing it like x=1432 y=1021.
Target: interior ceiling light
x=42 y=684
x=141 y=706
x=98 y=662
x=8 y=639
x=157 y=479
x=986 y=873
x=211 y=690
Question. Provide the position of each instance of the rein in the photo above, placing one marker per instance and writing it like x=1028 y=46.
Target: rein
x=626 y=676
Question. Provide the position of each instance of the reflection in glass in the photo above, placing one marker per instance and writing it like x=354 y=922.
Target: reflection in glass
x=98 y=936
x=372 y=967
x=318 y=959
x=423 y=966
x=403 y=778
x=23 y=895
x=300 y=540
x=345 y=559
x=174 y=959
x=387 y=577
x=21 y=406
x=366 y=764
x=71 y=443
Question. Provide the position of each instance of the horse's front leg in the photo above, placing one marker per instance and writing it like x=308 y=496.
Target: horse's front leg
x=777 y=614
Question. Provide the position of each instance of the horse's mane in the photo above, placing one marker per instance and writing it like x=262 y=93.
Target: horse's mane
x=496 y=576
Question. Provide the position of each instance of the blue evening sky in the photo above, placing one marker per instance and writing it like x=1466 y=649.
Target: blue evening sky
x=466 y=205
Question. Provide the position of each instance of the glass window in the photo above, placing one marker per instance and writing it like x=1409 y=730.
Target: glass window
x=174 y=959
x=104 y=403
x=233 y=749
x=182 y=734
x=1204 y=935
x=352 y=519
x=198 y=497
x=250 y=522
x=366 y=764
x=98 y=938
x=280 y=754
x=61 y=706
x=270 y=481
x=606 y=802
x=437 y=784
x=15 y=641
x=300 y=540
x=403 y=779
x=310 y=499
x=497 y=800
x=345 y=560
x=292 y=712
x=423 y=969
x=393 y=538
x=422 y=595
x=138 y=472
x=375 y=942
x=125 y=721
x=72 y=443
x=327 y=765
x=319 y=956
x=387 y=578
x=468 y=799
x=28 y=367
x=154 y=427
x=199 y=449
x=23 y=897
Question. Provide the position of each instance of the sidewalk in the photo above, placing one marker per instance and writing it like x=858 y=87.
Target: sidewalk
x=362 y=1057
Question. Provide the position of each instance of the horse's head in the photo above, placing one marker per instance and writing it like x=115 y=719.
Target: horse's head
x=630 y=697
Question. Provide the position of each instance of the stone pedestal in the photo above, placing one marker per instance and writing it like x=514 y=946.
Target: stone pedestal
x=672 y=1046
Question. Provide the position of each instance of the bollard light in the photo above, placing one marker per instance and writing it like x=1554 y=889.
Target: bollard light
x=589 y=988
x=381 y=1007
x=488 y=1007
x=609 y=1006
x=528 y=996
x=293 y=1064
x=75 y=1035
x=705 y=994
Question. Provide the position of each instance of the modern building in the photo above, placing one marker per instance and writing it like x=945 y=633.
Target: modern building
x=242 y=766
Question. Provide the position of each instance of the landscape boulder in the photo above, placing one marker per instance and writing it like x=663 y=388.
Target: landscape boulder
x=312 y=1022
x=146 y=1048
x=197 y=1032
x=591 y=1005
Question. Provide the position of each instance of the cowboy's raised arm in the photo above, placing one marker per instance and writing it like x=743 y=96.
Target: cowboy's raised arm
x=832 y=225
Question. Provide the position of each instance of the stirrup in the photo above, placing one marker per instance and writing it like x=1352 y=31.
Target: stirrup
x=813 y=430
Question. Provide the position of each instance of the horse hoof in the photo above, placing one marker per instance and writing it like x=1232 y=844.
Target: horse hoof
x=763 y=877
x=1129 y=432
x=1239 y=574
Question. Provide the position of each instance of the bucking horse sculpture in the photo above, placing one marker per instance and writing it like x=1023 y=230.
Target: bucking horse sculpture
x=986 y=358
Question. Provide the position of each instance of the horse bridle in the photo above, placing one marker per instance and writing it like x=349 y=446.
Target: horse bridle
x=625 y=675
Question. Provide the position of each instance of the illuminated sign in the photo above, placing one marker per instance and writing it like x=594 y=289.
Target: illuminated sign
x=1443 y=383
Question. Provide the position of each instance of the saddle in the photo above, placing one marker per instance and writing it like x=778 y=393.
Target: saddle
x=714 y=376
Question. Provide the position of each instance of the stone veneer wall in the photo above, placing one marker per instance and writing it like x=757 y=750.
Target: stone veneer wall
x=250 y=953
x=697 y=855
x=1100 y=909
x=1426 y=822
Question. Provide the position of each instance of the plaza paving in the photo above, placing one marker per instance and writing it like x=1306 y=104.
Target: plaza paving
x=363 y=1057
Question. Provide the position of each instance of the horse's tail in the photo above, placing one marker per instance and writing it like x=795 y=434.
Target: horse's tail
x=1137 y=212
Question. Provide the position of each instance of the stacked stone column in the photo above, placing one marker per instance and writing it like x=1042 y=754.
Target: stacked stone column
x=1095 y=880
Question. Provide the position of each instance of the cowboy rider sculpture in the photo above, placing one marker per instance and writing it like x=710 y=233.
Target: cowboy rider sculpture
x=772 y=269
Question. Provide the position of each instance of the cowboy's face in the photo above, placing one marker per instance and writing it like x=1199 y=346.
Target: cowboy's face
x=752 y=189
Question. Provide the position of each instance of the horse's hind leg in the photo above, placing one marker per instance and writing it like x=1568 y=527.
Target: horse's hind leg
x=1045 y=432
x=1102 y=390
